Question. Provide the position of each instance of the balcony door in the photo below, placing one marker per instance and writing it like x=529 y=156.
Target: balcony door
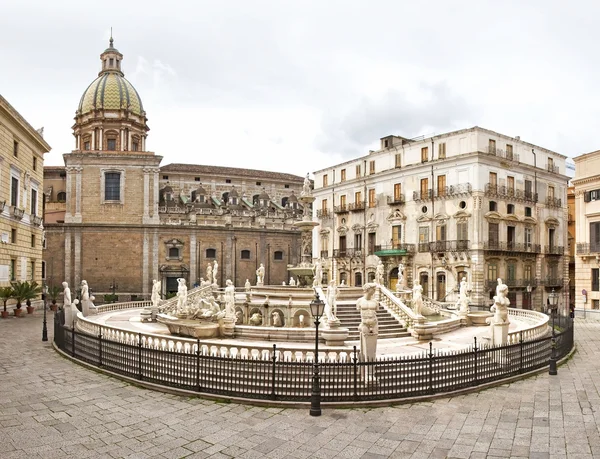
x=441 y=286
x=342 y=246
x=424 y=281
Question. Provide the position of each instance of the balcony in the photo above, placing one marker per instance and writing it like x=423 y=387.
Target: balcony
x=423 y=195
x=553 y=202
x=554 y=250
x=511 y=283
x=553 y=282
x=356 y=206
x=509 y=155
x=324 y=254
x=587 y=248
x=444 y=246
x=552 y=168
x=453 y=191
x=397 y=249
x=347 y=253
x=2 y=205
x=37 y=221
x=17 y=213
x=341 y=209
x=323 y=213
x=396 y=200
x=519 y=247
x=504 y=192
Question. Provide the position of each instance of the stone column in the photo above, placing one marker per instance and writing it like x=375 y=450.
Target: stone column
x=155 y=194
x=77 y=258
x=193 y=260
x=145 y=264
x=68 y=191
x=122 y=138
x=93 y=139
x=100 y=140
x=78 y=171
x=155 y=257
x=68 y=259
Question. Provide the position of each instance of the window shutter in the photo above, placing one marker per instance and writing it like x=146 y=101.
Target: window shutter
x=586 y=196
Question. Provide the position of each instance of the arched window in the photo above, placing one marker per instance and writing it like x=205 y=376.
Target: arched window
x=284 y=202
x=278 y=255
x=493 y=206
x=173 y=252
x=61 y=196
x=245 y=255
x=211 y=253
x=357 y=279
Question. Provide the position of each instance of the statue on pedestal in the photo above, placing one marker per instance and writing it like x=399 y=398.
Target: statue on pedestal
x=67 y=304
x=229 y=299
x=156 y=287
x=318 y=274
x=417 y=298
x=260 y=275
x=368 y=329
x=463 y=296
x=379 y=273
x=400 y=282
x=215 y=271
x=292 y=282
x=306 y=187
x=85 y=298
x=209 y=274
x=247 y=286
x=331 y=306
x=181 y=296
x=276 y=319
x=501 y=304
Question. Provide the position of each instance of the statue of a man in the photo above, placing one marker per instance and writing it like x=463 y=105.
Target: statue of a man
x=229 y=299
x=368 y=329
x=260 y=275
x=379 y=273
x=501 y=304
x=331 y=308
x=247 y=285
x=276 y=319
x=181 y=296
x=417 y=297
x=209 y=274
x=318 y=281
x=155 y=293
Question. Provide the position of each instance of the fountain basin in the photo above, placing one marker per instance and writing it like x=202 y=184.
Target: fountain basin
x=478 y=318
x=191 y=328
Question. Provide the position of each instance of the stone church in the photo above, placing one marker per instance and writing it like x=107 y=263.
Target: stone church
x=118 y=219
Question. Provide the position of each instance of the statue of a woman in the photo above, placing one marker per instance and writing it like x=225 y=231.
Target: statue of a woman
x=181 y=296
x=209 y=274
x=306 y=187
x=85 y=298
x=229 y=299
x=417 y=297
x=379 y=273
x=155 y=293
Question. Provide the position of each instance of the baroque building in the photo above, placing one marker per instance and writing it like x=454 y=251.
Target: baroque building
x=22 y=151
x=118 y=219
x=586 y=184
x=470 y=203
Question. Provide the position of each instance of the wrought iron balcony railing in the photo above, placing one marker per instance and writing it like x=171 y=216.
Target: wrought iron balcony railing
x=554 y=249
x=347 y=253
x=452 y=191
x=587 y=248
x=341 y=209
x=396 y=200
x=552 y=168
x=423 y=195
x=513 y=283
x=444 y=246
x=509 y=155
x=409 y=248
x=553 y=281
x=504 y=192
x=356 y=206
x=323 y=213
x=37 y=221
x=503 y=246
x=553 y=202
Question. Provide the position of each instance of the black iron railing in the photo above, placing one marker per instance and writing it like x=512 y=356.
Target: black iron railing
x=513 y=283
x=424 y=195
x=554 y=249
x=587 y=248
x=503 y=246
x=396 y=200
x=341 y=209
x=553 y=202
x=272 y=376
x=444 y=246
x=356 y=206
x=323 y=213
x=504 y=192
x=553 y=281
x=452 y=191
x=347 y=253
x=552 y=168
x=499 y=152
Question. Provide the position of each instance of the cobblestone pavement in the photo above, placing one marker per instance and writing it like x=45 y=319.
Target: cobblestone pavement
x=53 y=408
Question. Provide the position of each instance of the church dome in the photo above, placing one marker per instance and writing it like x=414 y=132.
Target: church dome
x=110 y=91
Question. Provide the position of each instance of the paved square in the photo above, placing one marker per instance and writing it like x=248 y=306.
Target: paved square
x=53 y=408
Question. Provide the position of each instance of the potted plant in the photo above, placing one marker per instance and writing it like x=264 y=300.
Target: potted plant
x=25 y=291
x=54 y=293
x=6 y=293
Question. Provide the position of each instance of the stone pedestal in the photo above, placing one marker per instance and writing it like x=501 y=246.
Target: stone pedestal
x=368 y=352
x=333 y=334
x=422 y=331
x=260 y=284
x=227 y=327
x=499 y=333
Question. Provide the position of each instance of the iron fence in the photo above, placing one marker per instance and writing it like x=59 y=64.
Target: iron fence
x=275 y=377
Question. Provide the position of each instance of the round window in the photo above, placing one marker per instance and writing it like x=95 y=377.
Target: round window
x=462 y=204
x=424 y=209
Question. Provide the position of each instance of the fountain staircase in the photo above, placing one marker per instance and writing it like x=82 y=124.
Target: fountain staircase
x=389 y=326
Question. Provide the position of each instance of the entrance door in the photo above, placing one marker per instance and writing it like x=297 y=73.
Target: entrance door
x=393 y=279
x=171 y=286
x=357 y=279
x=441 y=286
x=424 y=281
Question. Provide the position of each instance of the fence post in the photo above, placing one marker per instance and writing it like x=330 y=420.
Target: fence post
x=274 y=358
x=73 y=340
x=139 y=355
x=198 y=364
x=355 y=366
x=521 y=352
x=100 y=348
x=430 y=367
x=475 y=356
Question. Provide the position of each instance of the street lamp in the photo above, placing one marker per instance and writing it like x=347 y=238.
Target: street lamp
x=45 y=323
x=317 y=308
x=529 y=296
x=553 y=298
x=114 y=288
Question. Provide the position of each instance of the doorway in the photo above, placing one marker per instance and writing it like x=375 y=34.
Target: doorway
x=393 y=279
x=424 y=281
x=441 y=286
x=357 y=279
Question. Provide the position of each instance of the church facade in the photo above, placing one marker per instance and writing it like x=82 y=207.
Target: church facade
x=118 y=219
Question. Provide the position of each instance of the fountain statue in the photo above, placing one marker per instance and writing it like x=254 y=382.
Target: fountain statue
x=260 y=275
x=181 y=297
x=368 y=328
x=379 y=273
x=209 y=274
x=499 y=322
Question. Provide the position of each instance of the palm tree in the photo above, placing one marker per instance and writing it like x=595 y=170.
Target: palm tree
x=53 y=293
x=24 y=290
x=6 y=293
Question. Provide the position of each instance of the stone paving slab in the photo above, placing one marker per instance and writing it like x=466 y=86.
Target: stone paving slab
x=53 y=408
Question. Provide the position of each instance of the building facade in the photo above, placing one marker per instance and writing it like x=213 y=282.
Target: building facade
x=471 y=203
x=22 y=151
x=586 y=185
x=117 y=219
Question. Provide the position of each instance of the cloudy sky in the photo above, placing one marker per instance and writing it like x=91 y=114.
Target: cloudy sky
x=295 y=86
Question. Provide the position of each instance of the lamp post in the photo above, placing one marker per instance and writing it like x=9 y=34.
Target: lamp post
x=553 y=297
x=317 y=308
x=45 y=323
x=528 y=296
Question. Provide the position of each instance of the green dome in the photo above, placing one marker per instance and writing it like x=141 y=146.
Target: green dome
x=111 y=91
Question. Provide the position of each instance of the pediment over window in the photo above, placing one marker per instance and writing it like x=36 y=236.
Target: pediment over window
x=493 y=215
x=423 y=218
x=342 y=229
x=461 y=214
x=552 y=222
x=395 y=216
x=358 y=228
x=174 y=243
x=530 y=221
x=442 y=217
x=325 y=232
x=512 y=218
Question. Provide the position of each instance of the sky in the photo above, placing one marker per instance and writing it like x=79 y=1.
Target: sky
x=299 y=85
